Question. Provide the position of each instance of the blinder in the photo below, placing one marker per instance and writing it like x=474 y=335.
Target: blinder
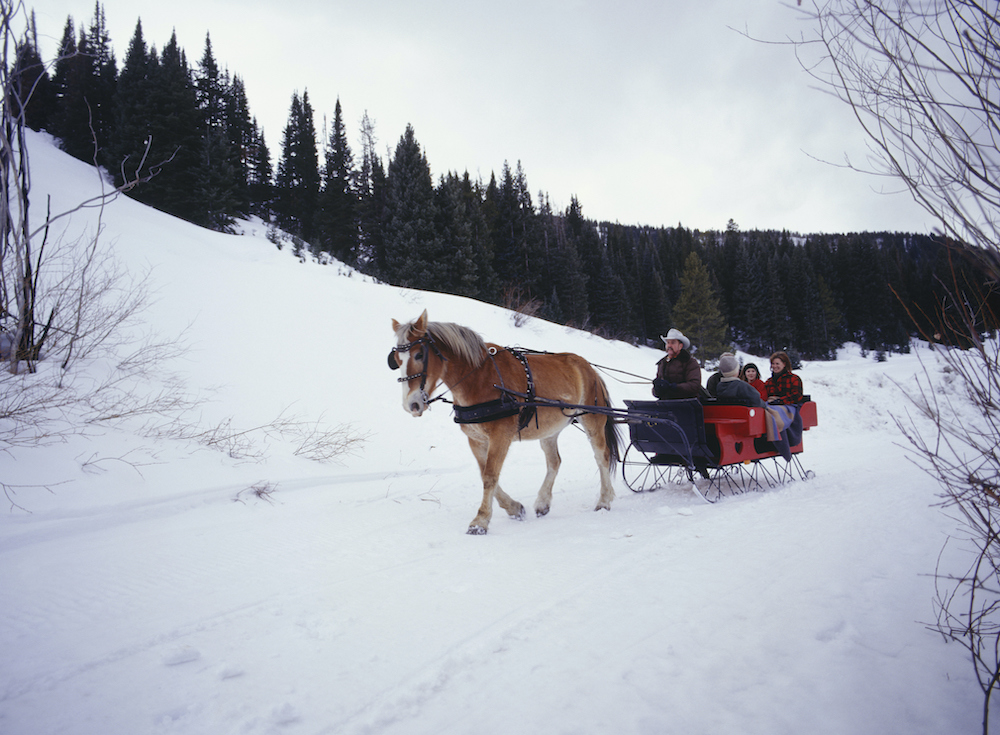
x=395 y=363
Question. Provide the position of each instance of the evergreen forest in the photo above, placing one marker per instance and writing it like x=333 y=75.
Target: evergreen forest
x=187 y=128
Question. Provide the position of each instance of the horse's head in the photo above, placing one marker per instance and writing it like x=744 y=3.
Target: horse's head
x=421 y=372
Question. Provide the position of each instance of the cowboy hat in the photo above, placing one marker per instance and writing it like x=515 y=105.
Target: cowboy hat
x=676 y=334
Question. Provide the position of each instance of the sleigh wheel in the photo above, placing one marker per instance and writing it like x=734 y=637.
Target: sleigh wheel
x=640 y=474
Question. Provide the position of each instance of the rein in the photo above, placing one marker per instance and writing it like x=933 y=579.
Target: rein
x=603 y=368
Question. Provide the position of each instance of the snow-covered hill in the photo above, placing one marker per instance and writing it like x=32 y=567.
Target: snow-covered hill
x=152 y=585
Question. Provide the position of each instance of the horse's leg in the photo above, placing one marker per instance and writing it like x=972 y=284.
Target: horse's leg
x=594 y=425
x=552 y=462
x=490 y=456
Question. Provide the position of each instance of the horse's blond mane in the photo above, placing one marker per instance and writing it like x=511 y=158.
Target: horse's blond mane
x=462 y=341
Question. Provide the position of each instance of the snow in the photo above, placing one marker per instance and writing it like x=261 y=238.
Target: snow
x=152 y=585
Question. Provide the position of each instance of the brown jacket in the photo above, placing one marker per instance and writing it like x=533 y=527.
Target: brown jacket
x=683 y=372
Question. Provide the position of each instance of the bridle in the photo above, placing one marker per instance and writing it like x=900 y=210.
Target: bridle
x=423 y=342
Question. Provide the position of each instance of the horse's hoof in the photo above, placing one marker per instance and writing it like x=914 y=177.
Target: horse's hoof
x=602 y=506
x=539 y=512
x=476 y=531
x=519 y=514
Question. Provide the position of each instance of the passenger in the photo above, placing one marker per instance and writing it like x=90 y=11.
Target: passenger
x=784 y=386
x=678 y=375
x=731 y=386
x=713 y=380
x=751 y=374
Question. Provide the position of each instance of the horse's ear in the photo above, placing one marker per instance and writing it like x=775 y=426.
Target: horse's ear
x=420 y=326
x=395 y=326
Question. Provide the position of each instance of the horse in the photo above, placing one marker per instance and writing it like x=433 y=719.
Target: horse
x=488 y=385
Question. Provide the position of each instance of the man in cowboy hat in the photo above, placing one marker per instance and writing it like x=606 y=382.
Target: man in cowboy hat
x=678 y=375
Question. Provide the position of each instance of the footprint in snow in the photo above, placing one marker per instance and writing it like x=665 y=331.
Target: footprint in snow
x=284 y=714
x=180 y=655
x=229 y=671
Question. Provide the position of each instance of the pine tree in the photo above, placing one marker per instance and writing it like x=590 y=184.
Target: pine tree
x=131 y=128
x=297 y=181
x=260 y=174
x=72 y=123
x=503 y=206
x=337 y=219
x=454 y=229
x=211 y=89
x=529 y=236
x=749 y=299
x=697 y=313
x=85 y=84
x=487 y=286
x=215 y=183
x=591 y=251
x=217 y=173
x=64 y=60
x=726 y=266
x=176 y=132
x=371 y=204
x=832 y=322
x=34 y=92
x=611 y=305
x=242 y=138
x=653 y=304
x=623 y=255
x=804 y=308
x=517 y=237
x=565 y=272
x=103 y=83
x=411 y=242
x=776 y=330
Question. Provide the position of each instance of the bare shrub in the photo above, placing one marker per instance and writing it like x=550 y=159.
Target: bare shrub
x=310 y=439
x=261 y=490
x=522 y=305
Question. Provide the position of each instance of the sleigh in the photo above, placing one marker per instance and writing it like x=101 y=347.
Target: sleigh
x=720 y=447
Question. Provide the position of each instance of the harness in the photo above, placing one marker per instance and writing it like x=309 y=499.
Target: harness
x=506 y=405
x=500 y=408
x=424 y=343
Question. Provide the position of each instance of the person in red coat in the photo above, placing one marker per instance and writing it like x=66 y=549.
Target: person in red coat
x=784 y=386
x=751 y=374
x=678 y=375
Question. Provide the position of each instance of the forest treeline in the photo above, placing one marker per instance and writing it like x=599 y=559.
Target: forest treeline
x=189 y=130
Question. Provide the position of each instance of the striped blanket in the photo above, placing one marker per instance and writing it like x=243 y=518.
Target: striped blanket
x=784 y=428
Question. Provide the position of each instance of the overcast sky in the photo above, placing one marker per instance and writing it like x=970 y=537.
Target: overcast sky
x=653 y=113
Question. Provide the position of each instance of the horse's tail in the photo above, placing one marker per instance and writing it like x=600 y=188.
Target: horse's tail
x=611 y=436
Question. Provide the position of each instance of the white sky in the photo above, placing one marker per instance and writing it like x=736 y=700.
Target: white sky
x=652 y=112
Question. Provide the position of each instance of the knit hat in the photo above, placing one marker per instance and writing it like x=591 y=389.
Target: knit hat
x=729 y=366
x=676 y=334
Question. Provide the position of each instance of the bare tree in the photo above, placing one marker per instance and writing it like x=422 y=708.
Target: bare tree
x=65 y=302
x=63 y=299
x=921 y=77
x=923 y=80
